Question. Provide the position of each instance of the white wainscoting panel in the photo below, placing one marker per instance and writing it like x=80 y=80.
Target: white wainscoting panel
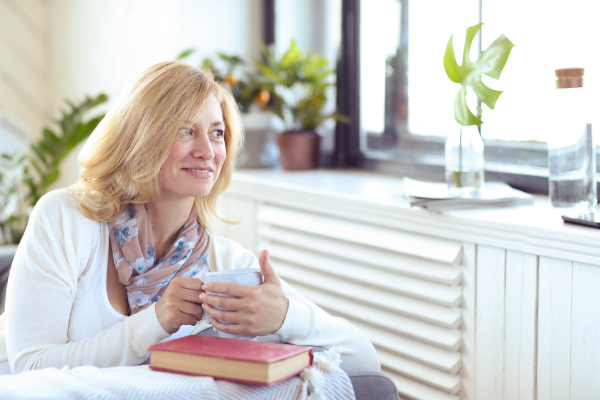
x=490 y=323
x=520 y=326
x=477 y=320
x=585 y=332
x=554 y=330
x=402 y=290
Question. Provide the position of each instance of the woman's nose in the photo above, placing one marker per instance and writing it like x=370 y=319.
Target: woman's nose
x=202 y=148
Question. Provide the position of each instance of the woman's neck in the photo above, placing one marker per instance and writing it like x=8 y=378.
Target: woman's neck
x=167 y=215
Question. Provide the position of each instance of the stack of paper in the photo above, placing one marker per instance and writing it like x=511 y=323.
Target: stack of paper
x=437 y=196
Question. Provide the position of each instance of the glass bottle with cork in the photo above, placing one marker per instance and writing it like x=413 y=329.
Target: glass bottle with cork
x=571 y=157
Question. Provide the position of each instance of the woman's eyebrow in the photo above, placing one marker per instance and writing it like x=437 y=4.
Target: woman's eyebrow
x=216 y=123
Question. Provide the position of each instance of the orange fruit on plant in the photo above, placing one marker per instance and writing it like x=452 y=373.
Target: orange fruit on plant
x=231 y=80
x=263 y=97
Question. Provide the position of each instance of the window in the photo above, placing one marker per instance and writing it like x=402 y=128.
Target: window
x=402 y=110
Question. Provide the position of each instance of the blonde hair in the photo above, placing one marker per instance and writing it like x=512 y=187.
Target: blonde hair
x=120 y=163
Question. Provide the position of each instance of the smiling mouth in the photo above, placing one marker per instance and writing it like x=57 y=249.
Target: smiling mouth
x=202 y=171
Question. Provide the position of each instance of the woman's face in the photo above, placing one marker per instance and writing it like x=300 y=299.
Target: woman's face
x=197 y=157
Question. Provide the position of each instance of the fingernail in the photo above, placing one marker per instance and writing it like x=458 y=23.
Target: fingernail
x=202 y=297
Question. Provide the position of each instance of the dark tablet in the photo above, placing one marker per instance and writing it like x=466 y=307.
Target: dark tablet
x=584 y=218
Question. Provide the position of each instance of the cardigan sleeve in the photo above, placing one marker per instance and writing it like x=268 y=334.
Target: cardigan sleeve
x=53 y=253
x=305 y=323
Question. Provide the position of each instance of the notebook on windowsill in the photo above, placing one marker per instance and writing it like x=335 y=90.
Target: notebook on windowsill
x=437 y=196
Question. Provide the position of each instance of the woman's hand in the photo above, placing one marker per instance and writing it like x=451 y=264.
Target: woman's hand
x=259 y=310
x=180 y=305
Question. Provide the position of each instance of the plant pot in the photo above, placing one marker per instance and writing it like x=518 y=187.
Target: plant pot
x=299 y=150
x=260 y=150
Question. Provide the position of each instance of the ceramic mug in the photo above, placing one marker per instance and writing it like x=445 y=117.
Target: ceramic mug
x=245 y=276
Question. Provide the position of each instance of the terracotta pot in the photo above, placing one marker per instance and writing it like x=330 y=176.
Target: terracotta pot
x=299 y=150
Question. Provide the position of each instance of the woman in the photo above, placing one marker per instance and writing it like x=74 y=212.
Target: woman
x=111 y=266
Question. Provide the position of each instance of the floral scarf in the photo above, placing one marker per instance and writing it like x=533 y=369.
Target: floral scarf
x=132 y=245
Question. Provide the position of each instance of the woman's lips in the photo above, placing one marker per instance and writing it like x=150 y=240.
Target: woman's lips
x=199 y=173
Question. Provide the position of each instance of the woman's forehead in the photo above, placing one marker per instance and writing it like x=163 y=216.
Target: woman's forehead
x=208 y=112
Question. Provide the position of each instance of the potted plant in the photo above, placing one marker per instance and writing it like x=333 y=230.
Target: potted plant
x=251 y=97
x=297 y=82
x=464 y=149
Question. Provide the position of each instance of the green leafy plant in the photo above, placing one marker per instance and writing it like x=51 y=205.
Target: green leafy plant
x=13 y=216
x=244 y=86
x=491 y=62
x=298 y=83
x=54 y=146
x=37 y=171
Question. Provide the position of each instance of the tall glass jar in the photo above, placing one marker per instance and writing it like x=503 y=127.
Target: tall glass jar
x=571 y=158
x=464 y=160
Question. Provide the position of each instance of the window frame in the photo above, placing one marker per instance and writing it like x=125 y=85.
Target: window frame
x=351 y=149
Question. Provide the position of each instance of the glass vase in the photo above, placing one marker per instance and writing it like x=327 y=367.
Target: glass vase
x=464 y=160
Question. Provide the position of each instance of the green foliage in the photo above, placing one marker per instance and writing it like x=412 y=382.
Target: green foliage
x=491 y=63
x=37 y=171
x=13 y=172
x=297 y=82
x=244 y=86
x=184 y=54
x=53 y=147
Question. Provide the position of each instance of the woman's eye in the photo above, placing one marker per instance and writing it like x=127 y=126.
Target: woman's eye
x=219 y=133
x=185 y=133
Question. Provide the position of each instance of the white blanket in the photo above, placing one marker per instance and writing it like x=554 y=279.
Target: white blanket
x=324 y=380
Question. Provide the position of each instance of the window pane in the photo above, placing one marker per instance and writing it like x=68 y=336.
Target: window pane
x=548 y=35
x=404 y=89
x=430 y=93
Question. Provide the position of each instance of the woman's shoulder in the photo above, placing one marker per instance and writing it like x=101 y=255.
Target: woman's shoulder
x=59 y=212
x=57 y=223
x=58 y=204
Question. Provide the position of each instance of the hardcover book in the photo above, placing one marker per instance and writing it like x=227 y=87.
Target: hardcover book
x=257 y=363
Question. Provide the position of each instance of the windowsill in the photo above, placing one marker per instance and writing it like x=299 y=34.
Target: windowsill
x=536 y=229
x=523 y=165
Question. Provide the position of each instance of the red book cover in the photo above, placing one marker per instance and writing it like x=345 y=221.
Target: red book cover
x=232 y=349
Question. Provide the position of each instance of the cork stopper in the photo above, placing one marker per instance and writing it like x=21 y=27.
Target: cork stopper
x=569 y=78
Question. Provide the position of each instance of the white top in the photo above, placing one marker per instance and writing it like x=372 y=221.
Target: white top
x=58 y=313
x=92 y=295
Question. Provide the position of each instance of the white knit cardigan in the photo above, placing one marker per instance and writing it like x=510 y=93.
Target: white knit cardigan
x=42 y=286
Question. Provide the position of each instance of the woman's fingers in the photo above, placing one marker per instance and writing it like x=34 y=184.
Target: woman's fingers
x=227 y=303
x=222 y=315
x=231 y=289
x=189 y=283
x=190 y=295
x=194 y=309
x=180 y=304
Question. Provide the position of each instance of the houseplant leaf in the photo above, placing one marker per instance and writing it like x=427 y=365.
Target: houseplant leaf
x=184 y=54
x=297 y=82
x=491 y=62
x=53 y=147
